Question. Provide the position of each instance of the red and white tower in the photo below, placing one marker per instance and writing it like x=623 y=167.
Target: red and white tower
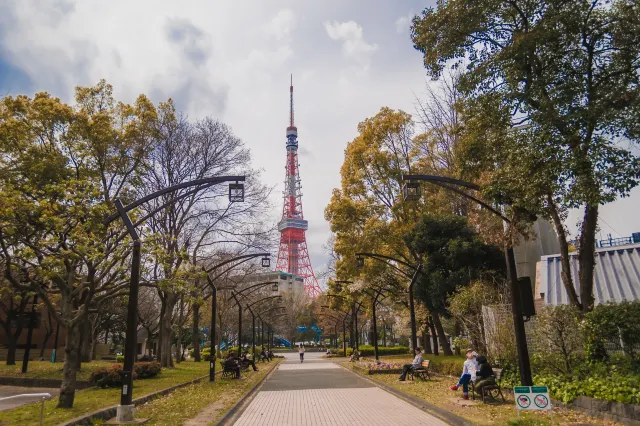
x=293 y=256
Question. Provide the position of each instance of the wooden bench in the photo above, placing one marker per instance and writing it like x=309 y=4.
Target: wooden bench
x=228 y=372
x=421 y=372
x=490 y=390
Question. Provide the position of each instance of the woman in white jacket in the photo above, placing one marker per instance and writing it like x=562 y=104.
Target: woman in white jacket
x=301 y=351
x=468 y=374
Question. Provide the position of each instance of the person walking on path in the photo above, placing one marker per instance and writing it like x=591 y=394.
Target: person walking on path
x=416 y=363
x=468 y=374
x=301 y=351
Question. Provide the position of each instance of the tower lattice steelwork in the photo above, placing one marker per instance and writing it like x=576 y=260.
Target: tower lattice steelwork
x=293 y=256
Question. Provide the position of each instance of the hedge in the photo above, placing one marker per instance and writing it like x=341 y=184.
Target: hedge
x=111 y=377
x=367 y=350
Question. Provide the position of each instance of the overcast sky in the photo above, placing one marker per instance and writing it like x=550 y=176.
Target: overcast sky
x=231 y=60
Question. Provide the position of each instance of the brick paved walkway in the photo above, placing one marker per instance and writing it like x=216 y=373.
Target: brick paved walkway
x=319 y=392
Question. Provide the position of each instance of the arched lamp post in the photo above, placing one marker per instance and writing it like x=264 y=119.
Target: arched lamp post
x=125 y=411
x=265 y=262
x=417 y=269
x=411 y=191
x=234 y=296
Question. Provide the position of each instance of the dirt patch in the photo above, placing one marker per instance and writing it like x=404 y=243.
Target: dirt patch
x=208 y=413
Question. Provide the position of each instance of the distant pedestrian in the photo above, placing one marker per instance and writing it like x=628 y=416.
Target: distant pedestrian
x=301 y=352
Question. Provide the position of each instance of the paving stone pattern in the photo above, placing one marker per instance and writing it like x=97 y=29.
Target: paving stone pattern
x=319 y=392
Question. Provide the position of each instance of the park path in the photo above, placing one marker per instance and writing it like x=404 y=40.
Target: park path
x=320 y=392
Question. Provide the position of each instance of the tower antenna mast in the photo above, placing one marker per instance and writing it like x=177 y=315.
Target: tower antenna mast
x=293 y=256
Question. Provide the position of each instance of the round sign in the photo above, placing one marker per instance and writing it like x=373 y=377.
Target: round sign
x=523 y=401
x=541 y=401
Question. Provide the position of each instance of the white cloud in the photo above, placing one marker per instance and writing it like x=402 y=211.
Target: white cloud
x=281 y=25
x=353 y=43
x=403 y=23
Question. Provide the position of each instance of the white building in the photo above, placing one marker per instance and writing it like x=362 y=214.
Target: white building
x=286 y=282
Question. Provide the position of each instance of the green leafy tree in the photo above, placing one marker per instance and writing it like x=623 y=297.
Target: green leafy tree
x=453 y=255
x=60 y=167
x=569 y=71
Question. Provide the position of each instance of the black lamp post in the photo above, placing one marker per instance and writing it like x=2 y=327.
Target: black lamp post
x=239 y=293
x=125 y=411
x=413 y=192
x=344 y=332
x=266 y=262
x=417 y=269
x=355 y=309
x=253 y=321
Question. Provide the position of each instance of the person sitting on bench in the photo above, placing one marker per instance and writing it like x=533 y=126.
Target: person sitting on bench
x=484 y=375
x=270 y=355
x=355 y=355
x=264 y=356
x=247 y=361
x=416 y=363
x=231 y=364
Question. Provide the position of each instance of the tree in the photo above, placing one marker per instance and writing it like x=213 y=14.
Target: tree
x=60 y=169
x=186 y=151
x=453 y=255
x=569 y=72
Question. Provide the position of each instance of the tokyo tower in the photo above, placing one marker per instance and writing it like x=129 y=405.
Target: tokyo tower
x=293 y=256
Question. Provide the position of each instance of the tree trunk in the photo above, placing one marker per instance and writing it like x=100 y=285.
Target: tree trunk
x=425 y=340
x=45 y=339
x=434 y=337
x=196 y=333
x=446 y=348
x=70 y=369
x=567 y=278
x=12 y=343
x=457 y=333
x=179 y=348
x=586 y=256
x=166 y=330
x=163 y=309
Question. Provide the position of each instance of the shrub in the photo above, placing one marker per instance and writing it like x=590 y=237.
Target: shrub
x=205 y=354
x=612 y=387
x=557 y=338
x=446 y=366
x=610 y=324
x=110 y=377
x=120 y=358
x=146 y=370
x=367 y=350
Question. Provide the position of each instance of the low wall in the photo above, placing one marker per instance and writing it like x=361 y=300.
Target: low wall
x=380 y=371
x=628 y=414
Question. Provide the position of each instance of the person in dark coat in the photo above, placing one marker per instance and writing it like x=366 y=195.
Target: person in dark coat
x=484 y=375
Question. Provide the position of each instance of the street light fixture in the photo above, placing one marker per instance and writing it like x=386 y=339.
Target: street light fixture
x=411 y=191
x=125 y=411
x=236 y=192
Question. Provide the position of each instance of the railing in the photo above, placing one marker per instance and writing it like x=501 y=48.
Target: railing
x=44 y=396
x=611 y=242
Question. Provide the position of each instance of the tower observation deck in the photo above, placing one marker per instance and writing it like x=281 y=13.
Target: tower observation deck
x=293 y=256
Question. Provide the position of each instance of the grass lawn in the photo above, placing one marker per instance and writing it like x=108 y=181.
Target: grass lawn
x=215 y=398
x=92 y=399
x=47 y=370
x=437 y=392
